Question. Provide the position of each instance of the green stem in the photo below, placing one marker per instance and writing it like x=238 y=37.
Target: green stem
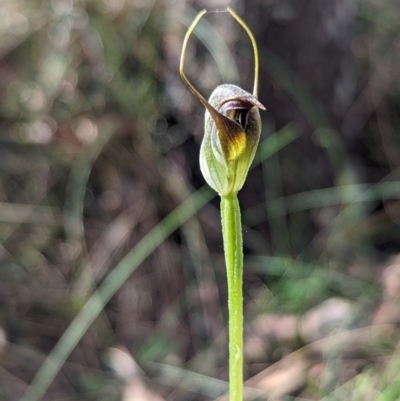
x=233 y=245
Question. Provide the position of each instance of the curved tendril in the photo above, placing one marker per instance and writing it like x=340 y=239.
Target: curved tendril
x=214 y=113
x=182 y=63
x=255 y=48
x=190 y=30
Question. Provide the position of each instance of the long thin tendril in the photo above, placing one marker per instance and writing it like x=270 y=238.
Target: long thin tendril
x=255 y=48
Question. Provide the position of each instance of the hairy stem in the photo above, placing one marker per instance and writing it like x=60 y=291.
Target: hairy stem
x=233 y=246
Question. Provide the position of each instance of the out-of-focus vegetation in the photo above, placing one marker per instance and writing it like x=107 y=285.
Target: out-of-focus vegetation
x=99 y=144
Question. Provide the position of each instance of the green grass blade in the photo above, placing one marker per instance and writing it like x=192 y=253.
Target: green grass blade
x=95 y=304
x=108 y=288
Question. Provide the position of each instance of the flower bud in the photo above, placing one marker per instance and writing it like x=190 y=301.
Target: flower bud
x=232 y=125
x=232 y=133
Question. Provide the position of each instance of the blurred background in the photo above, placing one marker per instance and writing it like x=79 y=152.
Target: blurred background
x=99 y=143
